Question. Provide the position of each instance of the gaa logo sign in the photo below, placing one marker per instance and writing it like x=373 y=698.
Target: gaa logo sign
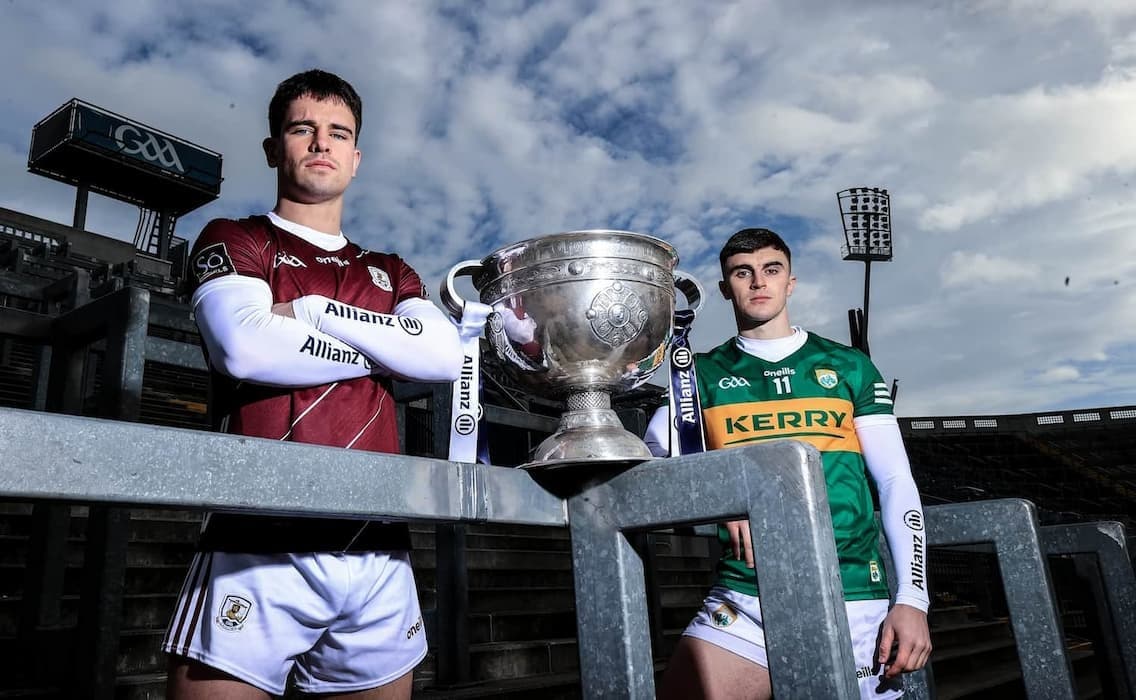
x=682 y=358
x=465 y=423
x=139 y=143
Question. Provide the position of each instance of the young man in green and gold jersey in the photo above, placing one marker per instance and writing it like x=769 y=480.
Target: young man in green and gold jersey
x=773 y=381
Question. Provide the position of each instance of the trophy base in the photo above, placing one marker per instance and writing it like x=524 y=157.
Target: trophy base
x=589 y=437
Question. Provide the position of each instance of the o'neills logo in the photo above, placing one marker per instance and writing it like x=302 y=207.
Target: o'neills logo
x=917 y=561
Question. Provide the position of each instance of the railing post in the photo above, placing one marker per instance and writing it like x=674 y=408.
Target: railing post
x=780 y=486
x=108 y=528
x=1115 y=592
x=1011 y=524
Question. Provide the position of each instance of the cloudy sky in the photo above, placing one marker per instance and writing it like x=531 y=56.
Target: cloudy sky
x=1005 y=131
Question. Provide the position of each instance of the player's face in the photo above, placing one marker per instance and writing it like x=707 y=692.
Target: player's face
x=314 y=154
x=759 y=284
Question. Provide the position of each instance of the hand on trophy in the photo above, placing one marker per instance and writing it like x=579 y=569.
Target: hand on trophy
x=520 y=328
x=471 y=324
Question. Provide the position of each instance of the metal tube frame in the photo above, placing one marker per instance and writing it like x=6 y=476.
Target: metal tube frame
x=780 y=487
x=1116 y=594
x=1011 y=525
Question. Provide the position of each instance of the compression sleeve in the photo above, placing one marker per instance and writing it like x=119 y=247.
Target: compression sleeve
x=416 y=342
x=658 y=436
x=246 y=341
x=900 y=509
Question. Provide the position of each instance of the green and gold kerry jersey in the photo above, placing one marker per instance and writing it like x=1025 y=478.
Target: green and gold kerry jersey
x=811 y=395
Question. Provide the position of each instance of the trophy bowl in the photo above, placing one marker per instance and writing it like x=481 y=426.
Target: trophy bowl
x=579 y=316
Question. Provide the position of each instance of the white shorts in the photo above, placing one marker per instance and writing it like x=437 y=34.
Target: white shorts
x=346 y=622
x=732 y=621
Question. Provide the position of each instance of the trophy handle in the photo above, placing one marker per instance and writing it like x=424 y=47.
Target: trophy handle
x=450 y=297
x=690 y=289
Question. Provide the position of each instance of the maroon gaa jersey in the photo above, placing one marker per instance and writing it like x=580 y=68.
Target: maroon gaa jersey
x=356 y=413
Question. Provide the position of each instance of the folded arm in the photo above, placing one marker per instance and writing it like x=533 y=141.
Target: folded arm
x=416 y=342
x=246 y=341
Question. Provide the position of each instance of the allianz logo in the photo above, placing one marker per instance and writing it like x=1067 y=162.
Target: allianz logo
x=134 y=142
x=732 y=382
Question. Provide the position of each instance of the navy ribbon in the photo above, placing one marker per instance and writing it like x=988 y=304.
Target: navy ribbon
x=686 y=410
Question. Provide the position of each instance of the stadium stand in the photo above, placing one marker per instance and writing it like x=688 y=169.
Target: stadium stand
x=518 y=614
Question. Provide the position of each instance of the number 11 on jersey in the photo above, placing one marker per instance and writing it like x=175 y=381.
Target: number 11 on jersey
x=782 y=385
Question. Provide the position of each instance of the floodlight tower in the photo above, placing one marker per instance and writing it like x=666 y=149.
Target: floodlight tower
x=866 y=215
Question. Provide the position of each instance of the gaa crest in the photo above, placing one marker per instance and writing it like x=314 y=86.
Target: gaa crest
x=381 y=279
x=723 y=616
x=827 y=378
x=234 y=611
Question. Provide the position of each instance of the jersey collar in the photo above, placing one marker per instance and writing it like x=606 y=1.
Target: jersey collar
x=319 y=239
x=773 y=350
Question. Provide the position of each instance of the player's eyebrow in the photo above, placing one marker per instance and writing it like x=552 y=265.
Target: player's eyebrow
x=312 y=123
x=741 y=266
x=772 y=263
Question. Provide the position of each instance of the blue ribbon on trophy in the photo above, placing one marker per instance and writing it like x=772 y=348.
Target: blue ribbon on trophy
x=686 y=432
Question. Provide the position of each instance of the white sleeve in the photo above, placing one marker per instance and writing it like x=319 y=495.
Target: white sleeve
x=416 y=342
x=247 y=341
x=900 y=509
x=658 y=437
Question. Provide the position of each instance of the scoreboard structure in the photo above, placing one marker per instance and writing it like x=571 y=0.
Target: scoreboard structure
x=100 y=151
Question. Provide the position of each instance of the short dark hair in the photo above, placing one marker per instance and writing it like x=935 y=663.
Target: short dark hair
x=318 y=84
x=749 y=240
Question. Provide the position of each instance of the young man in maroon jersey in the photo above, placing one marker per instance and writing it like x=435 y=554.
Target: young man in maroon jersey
x=303 y=331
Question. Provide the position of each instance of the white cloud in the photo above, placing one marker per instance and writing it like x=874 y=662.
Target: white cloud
x=977 y=270
x=1002 y=130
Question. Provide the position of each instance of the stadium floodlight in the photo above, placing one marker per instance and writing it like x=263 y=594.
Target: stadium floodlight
x=865 y=213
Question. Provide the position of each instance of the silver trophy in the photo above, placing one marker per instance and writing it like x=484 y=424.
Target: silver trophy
x=580 y=316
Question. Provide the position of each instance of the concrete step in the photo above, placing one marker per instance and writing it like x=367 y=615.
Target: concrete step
x=521 y=625
x=966 y=633
x=152 y=578
x=152 y=526
x=140 y=611
x=14 y=549
x=551 y=686
x=498 y=578
x=682 y=596
x=502 y=660
x=1002 y=679
x=535 y=599
x=497 y=559
x=953 y=614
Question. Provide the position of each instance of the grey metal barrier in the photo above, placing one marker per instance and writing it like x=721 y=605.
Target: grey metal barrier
x=1114 y=590
x=73 y=459
x=1011 y=525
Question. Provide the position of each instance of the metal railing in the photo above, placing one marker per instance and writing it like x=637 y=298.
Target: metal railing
x=56 y=459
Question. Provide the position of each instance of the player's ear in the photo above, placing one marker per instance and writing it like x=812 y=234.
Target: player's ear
x=358 y=157
x=792 y=285
x=269 y=146
x=724 y=288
